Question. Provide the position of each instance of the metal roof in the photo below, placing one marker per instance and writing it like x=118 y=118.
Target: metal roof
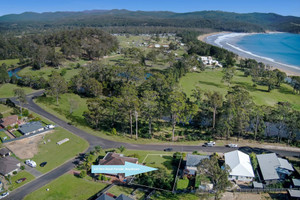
x=296 y=182
x=294 y=193
x=30 y=127
x=239 y=163
x=123 y=197
x=268 y=164
x=194 y=160
x=8 y=164
x=105 y=197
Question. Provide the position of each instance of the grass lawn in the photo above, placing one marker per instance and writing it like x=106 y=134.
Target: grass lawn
x=182 y=184
x=117 y=190
x=160 y=161
x=170 y=196
x=2 y=135
x=46 y=71
x=210 y=80
x=67 y=187
x=9 y=62
x=7 y=90
x=21 y=174
x=142 y=155
x=55 y=154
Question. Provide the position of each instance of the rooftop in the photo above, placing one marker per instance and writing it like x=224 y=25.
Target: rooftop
x=294 y=193
x=30 y=127
x=4 y=151
x=10 y=120
x=239 y=163
x=296 y=182
x=268 y=163
x=105 y=197
x=8 y=164
x=194 y=160
x=123 y=197
x=112 y=158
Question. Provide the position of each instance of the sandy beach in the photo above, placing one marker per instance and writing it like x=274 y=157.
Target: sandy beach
x=227 y=41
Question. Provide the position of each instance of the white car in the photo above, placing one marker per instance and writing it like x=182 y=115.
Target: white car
x=209 y=144
x=30 y=163
x=5 y=194
x=232 y=145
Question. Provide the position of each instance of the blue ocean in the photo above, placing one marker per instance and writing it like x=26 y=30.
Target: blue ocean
x=281 y=47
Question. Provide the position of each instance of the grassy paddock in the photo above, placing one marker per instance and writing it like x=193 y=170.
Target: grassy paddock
x=210 y=80
x=9 y=62
x=55 y=154
x=67 y=187
x=7 y=90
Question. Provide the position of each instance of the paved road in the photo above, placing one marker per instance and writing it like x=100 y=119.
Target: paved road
x=104 y=143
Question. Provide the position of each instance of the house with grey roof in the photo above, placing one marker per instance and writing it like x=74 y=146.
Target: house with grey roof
x=192 y=161
x=4 y=152
x=296 y=183
x=105 y=197
x=273 y=169
x=123 y=197
x=31 y=127
x=8 y=165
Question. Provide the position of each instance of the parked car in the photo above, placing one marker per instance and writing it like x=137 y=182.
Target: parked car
x=30 y=163
x=209 y=144
x=5 y=194
x=168 y=149
x=21 y=180
x=43 y=164
x=232 y=145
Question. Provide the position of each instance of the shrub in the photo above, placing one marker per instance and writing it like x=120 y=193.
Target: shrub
x=22 y=167
x=15 y=172
x=82 y=174
x=25 y=112
x=114 y=131
x=63 y=72
x=195 y=152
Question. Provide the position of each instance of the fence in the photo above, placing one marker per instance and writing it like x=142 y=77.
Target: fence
x=26 y=136
x=257 y=190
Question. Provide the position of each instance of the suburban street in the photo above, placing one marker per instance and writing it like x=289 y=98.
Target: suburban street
x=104 y=143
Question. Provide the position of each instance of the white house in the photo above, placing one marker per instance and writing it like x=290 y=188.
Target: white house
x=157 y=46
x=240 y=165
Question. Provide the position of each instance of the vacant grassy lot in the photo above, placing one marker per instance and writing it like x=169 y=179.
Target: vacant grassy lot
x=45 y=72
x=170 y=196
x=210 y=80
x=160 y=161
x=67 y=187
x=9 y=62
x=7 y=90
x=55 y=154
x=5 y=110
x=21 y=174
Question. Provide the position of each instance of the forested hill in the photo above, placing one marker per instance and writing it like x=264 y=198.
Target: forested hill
x=217 y=20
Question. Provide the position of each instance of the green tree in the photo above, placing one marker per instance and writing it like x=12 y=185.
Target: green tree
x=218 y=175
x=57 y=85
x=21 y=97
x=228 y=74
x=98 y=149
x=150 y=107
x=254 y=161
x=122 y=148
x=82 y=174
x=214 y=101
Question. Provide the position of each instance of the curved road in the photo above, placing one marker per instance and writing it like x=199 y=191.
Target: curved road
x=104 y=143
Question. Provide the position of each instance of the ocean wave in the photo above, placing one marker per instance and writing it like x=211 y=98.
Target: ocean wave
x=261 y=57
x=227 y=36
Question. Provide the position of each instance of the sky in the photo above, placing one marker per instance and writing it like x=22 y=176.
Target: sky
x=283 y=7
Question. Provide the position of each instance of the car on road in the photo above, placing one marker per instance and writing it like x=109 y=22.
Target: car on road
x=209 y=144
x=43 y=164
x=5 y=194
x=168 y=149
x=232 y=145
x=21 y=180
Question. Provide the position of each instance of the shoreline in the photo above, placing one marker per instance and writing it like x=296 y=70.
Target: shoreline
x=222 y=39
